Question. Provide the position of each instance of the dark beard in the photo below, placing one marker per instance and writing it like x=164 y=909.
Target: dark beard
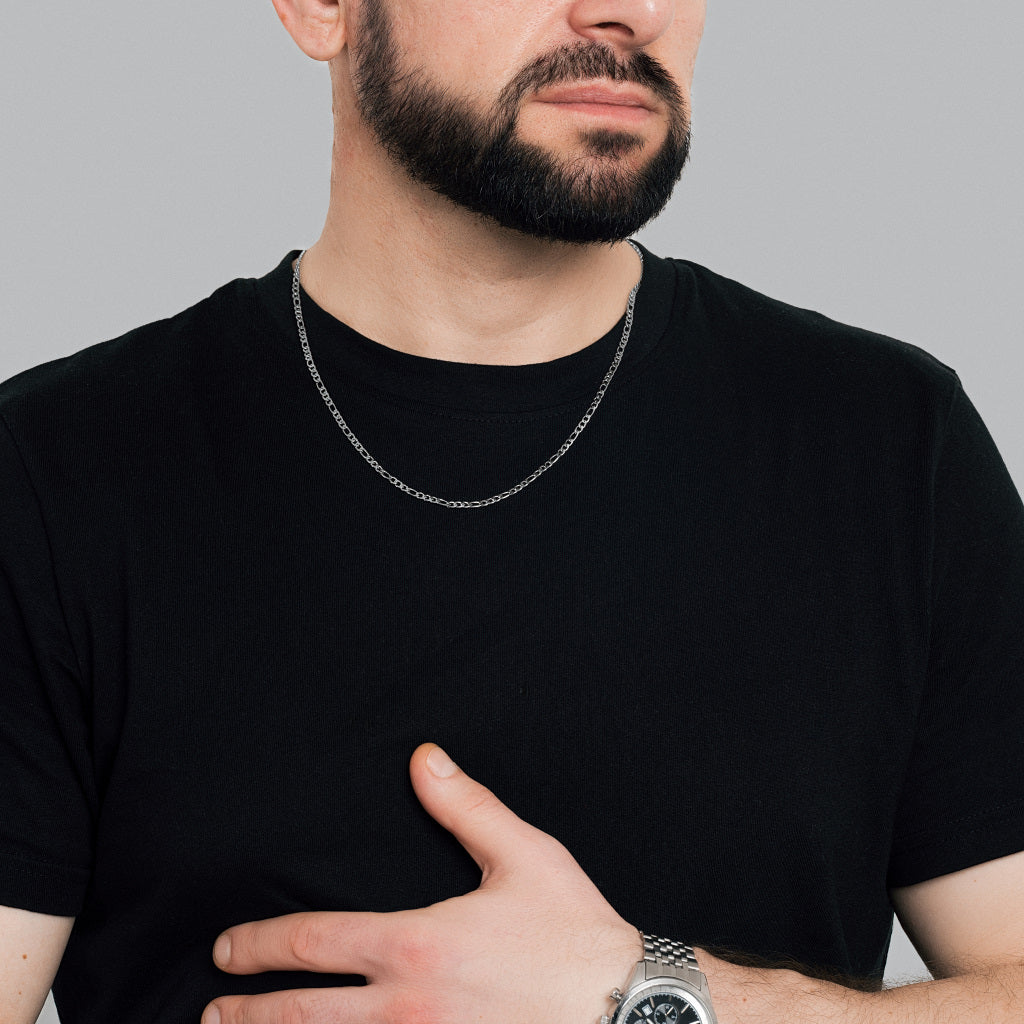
x=482 y=165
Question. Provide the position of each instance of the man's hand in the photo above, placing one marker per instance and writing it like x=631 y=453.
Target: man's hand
x=535 y=943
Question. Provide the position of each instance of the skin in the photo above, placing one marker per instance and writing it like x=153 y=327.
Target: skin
x=31 y=947
x=414 y=271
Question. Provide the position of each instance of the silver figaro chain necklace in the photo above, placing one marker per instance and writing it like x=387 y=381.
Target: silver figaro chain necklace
x=494 y=499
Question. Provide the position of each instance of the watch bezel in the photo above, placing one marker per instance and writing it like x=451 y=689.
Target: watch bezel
x=689 y=992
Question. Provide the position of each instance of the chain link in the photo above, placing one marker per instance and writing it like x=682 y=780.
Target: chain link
x=668 y=952
x=422 y=496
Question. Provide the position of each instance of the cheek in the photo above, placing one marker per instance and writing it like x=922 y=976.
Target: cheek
x=692 y=30
x=469 y=45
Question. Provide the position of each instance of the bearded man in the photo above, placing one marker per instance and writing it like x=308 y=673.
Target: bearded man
x=709 y=591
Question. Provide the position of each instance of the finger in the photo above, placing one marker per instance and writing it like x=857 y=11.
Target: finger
x=324 y=942
x=490 y=832
x=355 y=1005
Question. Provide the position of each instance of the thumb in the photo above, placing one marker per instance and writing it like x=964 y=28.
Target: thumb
x=488 y=830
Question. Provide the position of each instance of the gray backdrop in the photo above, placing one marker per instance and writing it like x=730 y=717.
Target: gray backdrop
x=860 y=159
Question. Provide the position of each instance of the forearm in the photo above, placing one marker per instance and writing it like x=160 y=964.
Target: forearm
x=749 y=995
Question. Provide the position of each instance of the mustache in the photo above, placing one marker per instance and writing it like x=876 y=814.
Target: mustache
x=585 y=61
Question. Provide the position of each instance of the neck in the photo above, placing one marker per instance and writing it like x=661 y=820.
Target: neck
x=409 y=269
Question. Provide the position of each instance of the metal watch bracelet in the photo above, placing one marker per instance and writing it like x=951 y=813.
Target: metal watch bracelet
x=661 y=956
x=668 y=952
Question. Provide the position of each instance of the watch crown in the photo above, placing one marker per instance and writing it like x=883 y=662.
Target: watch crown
x=616 y=998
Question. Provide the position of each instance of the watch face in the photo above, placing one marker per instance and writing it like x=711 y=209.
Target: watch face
x=663 y=1005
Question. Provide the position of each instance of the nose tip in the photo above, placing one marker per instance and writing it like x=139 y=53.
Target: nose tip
x=628 y=23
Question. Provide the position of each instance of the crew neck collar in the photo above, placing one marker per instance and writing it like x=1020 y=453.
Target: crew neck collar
x=344 y=355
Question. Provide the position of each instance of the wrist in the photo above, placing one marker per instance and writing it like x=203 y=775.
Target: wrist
x=666 y=985
x=762 y=995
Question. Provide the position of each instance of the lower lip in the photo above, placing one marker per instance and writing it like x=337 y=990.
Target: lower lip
x=616 y=111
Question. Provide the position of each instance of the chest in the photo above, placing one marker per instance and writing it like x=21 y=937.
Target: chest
x=699 y=701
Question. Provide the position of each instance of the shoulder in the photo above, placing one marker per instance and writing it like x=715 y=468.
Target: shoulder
x=112 y=389
x=802 y=355
x=146 y=356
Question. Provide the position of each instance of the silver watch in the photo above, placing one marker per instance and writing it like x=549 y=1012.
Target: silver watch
x=667 y=987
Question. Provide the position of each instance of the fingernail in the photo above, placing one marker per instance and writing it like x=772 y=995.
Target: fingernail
x=211 y=1016
x=440 y=763
x=221 y=953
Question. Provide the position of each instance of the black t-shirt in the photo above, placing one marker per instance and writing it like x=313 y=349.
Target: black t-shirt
x=752 y=649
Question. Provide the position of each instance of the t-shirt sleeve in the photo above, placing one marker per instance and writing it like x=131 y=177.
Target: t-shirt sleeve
x=46 y=818
x=963 y=798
